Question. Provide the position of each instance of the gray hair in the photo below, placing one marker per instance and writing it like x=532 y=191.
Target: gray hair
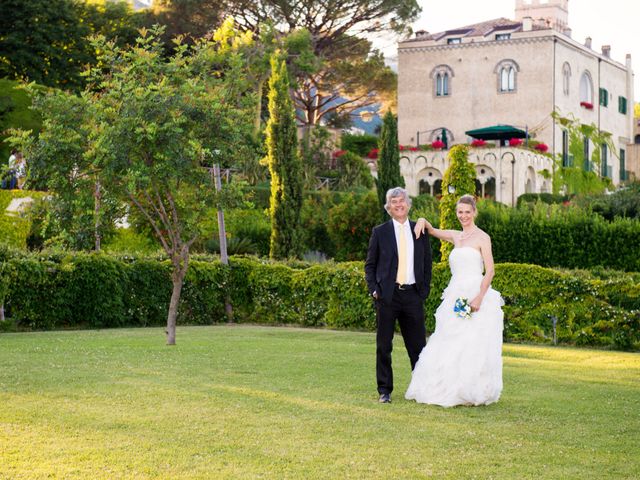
x=394 y=193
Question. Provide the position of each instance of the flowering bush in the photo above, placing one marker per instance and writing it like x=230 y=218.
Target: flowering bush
x=541 y=147
x=373 y=153
x=478 y=142
x=515 y=142
x=437 y=144
x=339 y=153
x=587 y=105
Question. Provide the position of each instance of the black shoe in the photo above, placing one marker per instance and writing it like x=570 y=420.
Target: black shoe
x=385 y=398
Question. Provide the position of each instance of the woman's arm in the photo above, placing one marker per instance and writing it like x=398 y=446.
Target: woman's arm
x=422 y=224
x=487 y=258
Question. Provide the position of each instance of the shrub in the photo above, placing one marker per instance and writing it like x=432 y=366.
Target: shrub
x=624 y=203
x=548 y=198
x=361 y=145
x=14 y=229
x=353 y=172
x=315 y=222
x=60 y=290
x=558 y=236
x=350 y=224
x=127 y=240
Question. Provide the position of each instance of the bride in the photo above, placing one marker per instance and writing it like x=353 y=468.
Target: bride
x=462 y=362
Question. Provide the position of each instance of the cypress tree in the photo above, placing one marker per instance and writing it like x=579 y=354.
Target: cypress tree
x=388 y=161
x=285 y=166
x=461 y=174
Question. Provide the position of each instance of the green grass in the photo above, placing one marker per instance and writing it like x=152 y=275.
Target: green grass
x=258 y=402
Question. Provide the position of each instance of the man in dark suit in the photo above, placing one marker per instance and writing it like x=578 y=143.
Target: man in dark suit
x=398 y=274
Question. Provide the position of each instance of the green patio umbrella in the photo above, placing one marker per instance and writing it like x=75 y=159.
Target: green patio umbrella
x=497 y=132
x=444 y=138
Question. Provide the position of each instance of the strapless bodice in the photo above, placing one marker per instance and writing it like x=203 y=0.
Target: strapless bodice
x=466 y=261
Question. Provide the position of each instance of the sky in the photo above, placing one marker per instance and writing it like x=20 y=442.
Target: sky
x=607 y=22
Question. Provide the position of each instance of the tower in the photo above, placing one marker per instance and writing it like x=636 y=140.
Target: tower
x=550 y=13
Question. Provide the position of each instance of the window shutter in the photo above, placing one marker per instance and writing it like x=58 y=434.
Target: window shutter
x=622 y=105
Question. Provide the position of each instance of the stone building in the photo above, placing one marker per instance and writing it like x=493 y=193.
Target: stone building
x=514 y=72
x=633 y=154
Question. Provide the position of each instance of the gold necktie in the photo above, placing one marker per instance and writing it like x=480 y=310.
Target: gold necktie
x=401 y=278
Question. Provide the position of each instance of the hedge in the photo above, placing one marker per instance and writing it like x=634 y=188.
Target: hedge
x=62 y=290
x=556 y=236
x=14 y=229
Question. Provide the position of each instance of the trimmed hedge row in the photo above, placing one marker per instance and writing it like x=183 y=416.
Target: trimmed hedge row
x=554 y=236
x=96 y=291
x=14 y=229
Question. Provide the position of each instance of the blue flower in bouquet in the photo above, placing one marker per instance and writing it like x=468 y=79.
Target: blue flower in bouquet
x=462 y=309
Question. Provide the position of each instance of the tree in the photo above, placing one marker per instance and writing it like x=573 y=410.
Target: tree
x=341 y=82
x=153 y=124
x=47 y=41
x=352 y=172
x=346 y=74
x=44 y=41
x=190 y=18
x=389 y=175
x=461 y=176
x=80 y=213
x=285 y=166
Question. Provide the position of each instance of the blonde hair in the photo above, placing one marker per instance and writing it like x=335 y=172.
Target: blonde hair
x=468 y=200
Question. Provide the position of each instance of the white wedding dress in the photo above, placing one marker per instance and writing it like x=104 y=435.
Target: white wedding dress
x=462 y=362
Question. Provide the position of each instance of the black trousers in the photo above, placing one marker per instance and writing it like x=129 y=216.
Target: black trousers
x=408 y=309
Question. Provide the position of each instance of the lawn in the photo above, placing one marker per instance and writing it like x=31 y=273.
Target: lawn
x=259 y=402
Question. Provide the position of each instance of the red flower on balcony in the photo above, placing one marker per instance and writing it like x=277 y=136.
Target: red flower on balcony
x=401 y=147
x=437 y=144
x=478 y=142
x=587 y=105
x=541 y=147
x=413 y=149
x=373 y=153
x=515 y=142
x=339 y=153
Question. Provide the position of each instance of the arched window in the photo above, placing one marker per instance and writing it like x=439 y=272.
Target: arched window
x=507 y=71
x=566 y=78
x=441 y=76
x=442 y=84
x=586 y=88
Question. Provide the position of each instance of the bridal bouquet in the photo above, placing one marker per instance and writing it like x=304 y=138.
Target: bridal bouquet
x=462 y=309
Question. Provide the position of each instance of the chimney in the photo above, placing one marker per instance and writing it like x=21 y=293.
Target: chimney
x=421 y=33
x=587 y=42
x=527 y=24
x=606 y=50
x=567 y=32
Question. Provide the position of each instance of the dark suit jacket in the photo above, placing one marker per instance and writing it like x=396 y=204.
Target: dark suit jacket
x=381 y=266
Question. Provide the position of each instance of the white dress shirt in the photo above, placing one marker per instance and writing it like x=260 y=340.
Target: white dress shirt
x=411 y=276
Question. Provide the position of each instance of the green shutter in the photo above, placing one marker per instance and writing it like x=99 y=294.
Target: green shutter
x=604 y=97
x=622 y=105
